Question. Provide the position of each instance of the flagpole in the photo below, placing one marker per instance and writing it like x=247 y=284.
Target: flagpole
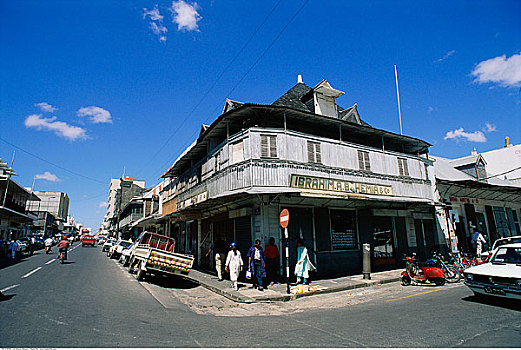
x=398 y=97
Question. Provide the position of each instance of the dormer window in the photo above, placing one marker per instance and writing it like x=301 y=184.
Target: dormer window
x=481 y=172
x=324 y=98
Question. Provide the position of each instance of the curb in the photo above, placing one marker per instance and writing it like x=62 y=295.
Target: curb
x=239 y=299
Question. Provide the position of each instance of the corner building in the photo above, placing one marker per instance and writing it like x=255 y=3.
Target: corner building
x=344 y=183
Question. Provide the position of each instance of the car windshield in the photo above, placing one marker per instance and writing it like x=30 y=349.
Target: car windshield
x=508 y=255
x=110 y=241
x=125 y=244
x=505 y=241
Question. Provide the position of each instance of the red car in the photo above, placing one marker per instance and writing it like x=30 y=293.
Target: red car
x=88 y=240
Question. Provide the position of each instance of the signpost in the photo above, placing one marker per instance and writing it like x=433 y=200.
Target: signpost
x=284 y=221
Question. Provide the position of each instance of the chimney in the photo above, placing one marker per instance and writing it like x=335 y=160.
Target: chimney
x=507 y=142
x=299 y=79
x=474 y=152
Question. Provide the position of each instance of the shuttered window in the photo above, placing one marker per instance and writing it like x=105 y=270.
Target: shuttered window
x=314 y=155
x=403 y=168
x=363 y=161
x=268 y=146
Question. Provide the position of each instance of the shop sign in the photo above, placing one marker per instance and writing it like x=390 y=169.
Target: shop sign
x=336 y=185
x=464 y=200
x=198 y=198
x=284 y=218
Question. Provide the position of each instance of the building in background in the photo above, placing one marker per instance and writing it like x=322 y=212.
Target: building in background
x=481 y=192
x=51 y=210
x=121 y=193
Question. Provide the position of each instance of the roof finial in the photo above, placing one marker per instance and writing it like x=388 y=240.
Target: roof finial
x=299 y=79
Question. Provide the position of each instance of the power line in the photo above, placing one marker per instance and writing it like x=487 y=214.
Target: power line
x=224 y=70
x=51 y=163
x=260 y=57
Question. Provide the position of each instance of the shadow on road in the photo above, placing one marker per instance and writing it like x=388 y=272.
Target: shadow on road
x=68 y=262
x=510 y=304
x=174 y=282
x=6 y=297
x=20 y=257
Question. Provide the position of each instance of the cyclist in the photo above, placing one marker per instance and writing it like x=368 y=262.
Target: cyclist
x=48 y=245
x=63 y=245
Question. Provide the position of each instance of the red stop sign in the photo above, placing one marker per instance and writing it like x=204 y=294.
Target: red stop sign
x=284 y=218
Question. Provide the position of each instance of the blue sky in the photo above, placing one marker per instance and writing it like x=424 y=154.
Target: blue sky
x=121 y=78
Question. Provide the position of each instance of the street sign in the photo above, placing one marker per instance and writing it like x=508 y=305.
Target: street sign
x=284 y=218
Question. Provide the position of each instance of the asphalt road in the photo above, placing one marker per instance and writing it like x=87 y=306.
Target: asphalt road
x=92 y=302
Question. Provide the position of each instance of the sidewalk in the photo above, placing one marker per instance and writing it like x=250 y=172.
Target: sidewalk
x=246 y=294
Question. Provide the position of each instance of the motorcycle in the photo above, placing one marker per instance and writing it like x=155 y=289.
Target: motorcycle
x=416 y=271
x=62 y=256
x=452 y=275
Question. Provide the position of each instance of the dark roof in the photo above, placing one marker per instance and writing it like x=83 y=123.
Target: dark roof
x=293 y=98
x=298 y=95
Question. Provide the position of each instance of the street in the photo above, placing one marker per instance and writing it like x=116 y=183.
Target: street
x=92 y=302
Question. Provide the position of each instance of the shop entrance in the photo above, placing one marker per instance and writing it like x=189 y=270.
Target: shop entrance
x=383 y=241
x=300 y=227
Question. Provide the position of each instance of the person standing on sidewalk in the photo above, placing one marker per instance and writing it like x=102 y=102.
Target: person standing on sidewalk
x=303 y=265
x=219 y=248
x=272 y=261
x=234 y=265
x=256 y=264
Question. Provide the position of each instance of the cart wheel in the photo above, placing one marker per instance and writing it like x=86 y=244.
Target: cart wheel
x=140 y=273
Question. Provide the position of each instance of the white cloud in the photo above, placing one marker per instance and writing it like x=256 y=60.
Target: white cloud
x=500 y=70
x=153 y=14
x=72 y=133
x=96 y=115
x=447 y=55
x=103 y=205
x=47 y=176
x=461 y=134
x=156 y=22
x=45 y=107
x=159 y=30
x=489 y=127
x=185 y=15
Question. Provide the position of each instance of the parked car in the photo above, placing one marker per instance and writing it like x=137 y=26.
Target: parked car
x=500 y=277
x=101 y=239
x=109 y=243
x=125 y=255
x=498 y=243
x=116 y=250
x=155 y=252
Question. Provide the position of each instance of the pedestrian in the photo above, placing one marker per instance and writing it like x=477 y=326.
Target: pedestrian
x=219 y=248
x=256 y=264
x=474 y=238
x=13 y=247
x=234 y=265
x=480 y=240
x=304 y=264
x=272 y=261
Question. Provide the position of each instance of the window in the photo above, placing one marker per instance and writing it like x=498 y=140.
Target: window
x=480 y=171
x=403 y=169
x=269 y=146
x=343 y=229
x=363 y=161
x=314 y=155
x=237 y=152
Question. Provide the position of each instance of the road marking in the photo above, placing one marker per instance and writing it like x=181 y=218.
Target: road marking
x=33 y=271
x=415 y=295
x=50 y=261
x=8 y=288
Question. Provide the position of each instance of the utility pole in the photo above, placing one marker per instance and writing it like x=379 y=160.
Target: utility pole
x=398 y=97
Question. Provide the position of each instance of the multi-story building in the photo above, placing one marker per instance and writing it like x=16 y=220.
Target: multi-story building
x=55 y=203
x=478 y=196
x=343 y=181
x=121 y=192
x=14 y=219
x=52 y=210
